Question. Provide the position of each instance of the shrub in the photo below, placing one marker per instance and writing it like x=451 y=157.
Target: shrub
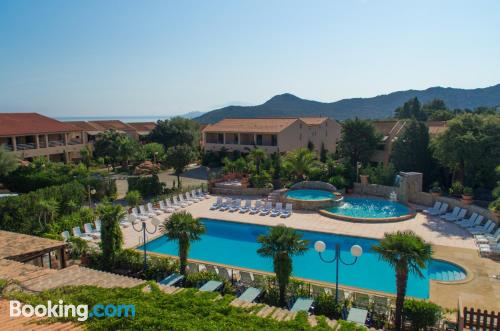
x=456 y=189
x=133 y=198
x=495 y=206
x=199 y=278
x=148 y=186
x=468 y=191
x=435 y=188
x=421 y=314
x=324 y=304
x=338 y=181
x=382 y=175
x=261 y=179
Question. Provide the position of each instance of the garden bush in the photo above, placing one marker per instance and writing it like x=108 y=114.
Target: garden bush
x=37 y=212
x=199 y=278
x=148 y=186
x=133 y=198
x=324 y=304
x=421 y=314
x=380 y=174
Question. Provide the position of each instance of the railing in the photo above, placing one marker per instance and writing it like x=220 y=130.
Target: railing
x=480 y=320
x=75 y=142
x=8 y=147
x=42 y=144
x=55 y=143
x=22 y=147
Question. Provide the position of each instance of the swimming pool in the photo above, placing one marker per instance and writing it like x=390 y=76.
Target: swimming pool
x=365 y=209
x=309 y=194
x=233 y=243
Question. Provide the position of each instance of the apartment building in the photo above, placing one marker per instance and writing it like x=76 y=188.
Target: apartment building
x=271 y=134
x=30 y=135
x=391 y=130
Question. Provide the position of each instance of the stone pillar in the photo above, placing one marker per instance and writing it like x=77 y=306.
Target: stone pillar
x=61 y=258
x=14 y=144
x=47 y=140
x=37 y=142
x=65 y=139
x=239 y=138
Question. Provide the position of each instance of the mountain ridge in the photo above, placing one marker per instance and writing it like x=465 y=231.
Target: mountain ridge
x=377 y=107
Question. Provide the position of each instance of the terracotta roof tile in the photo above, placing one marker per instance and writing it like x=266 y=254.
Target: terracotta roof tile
x=258 y=125
x=112 y=124
x=15 y=245
x=314 y=120
x=143 y=126
x=31 y=123
x=85 y=126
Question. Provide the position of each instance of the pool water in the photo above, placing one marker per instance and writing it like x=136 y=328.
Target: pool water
x=309 y=194
x=445 y=271
x=370 y=208
x=233 y=243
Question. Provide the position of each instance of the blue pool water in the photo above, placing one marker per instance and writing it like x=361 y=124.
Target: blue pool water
x=445 y=271
x=309 y=194
x=236 y=244
x=370 y=208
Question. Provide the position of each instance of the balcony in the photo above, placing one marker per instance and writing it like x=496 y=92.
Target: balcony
x=8 y=147
x=55 y=143
x=75 y=142
x=23 y=147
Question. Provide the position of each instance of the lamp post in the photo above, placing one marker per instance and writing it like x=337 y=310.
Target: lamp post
x=155 y=155
x=358 y=166
x=356 y=251
x=144 y=228
x=91 y=192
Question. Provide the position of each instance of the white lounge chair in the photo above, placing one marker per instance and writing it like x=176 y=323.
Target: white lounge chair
x=434 y=208
x=235 y=206
x=453 y=213
x=89 y=231
x=469 y=220
x=440 y=211
x=226 y=204
x=191 y=198
x=182 y=200
x=288 y=211
x=78 y=233
x=136 y=213
x=98 y=225
x=487 y=238
x=164 y=208
x=475 y=223
x=144 y=212
x=153 y=210
x=179 y=202
x=256 y=208
x=195 y=196
x=65 y=235
x=266 y=209
x=204 y=192
x=459 y=217
x=278 y=209
x=484 y=229
x=217 y=204
x=169 y=204
x=489 y=249
x=246 y=207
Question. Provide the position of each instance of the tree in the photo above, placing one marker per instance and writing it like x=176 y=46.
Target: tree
x=411 y=151
x=411 y=109
x=323 y=153
x=48 y=210
x=178 y=157
x=358 y=140
x=470 y=149
x=107 y=146
x=111 y=234
x=300 y=163
x=176 y=131
x=86 y=155
x=127 y=149
x=282 y=243
x=440 y=115
x=406 y=253
x=183 y=228
x=8 y=162
x=154 y=152
x=257 y=156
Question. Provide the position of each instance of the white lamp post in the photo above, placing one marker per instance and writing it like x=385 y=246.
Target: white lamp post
x=356 y=251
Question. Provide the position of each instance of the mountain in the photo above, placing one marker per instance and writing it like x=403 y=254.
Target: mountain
x=381 y=106
x=192 y=114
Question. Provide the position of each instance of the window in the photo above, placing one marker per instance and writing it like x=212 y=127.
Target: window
x=220 y=138
x=274 y=140
x=259 y=140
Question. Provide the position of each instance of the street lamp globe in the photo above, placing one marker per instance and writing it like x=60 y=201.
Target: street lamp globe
x=92 y=191
x=155 y=221
x=356 y=250
x=319 y=246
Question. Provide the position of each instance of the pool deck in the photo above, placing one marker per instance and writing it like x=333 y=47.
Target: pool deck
x=450 y=242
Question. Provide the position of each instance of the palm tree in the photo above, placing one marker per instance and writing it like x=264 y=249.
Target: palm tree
x=282 y=243
x=257 y=155
x=111 y=234
x=300 y=163
x=407 y=253
x=183 y=228
x=8 y=162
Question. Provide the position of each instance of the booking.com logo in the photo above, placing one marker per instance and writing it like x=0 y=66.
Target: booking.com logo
x=66 y=310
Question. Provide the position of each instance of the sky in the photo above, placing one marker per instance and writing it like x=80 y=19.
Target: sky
x=137 y=58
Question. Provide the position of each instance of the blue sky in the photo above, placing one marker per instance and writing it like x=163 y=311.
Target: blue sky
x=73 y=58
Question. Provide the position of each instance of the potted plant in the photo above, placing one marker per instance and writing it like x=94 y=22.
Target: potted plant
x=364 y=175
x=467 y=195
x=495 y=207
x=456 y=189
x=436 y=190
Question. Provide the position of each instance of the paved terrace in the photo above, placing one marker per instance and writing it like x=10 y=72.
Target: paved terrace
x=450 y=242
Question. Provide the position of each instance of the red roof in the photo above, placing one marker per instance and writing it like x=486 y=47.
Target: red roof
x=82 y=125
x=112 y=125
x=31 y=123
x=143 y=126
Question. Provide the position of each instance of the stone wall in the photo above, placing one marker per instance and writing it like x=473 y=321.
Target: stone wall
x=241 y=191
x=314 y=185
x=472 y=208
x=375 y=190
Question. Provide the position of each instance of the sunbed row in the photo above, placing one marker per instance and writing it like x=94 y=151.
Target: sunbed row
x=250 y=290
x=169 y=205
x=260 y=208
x=486 y=237
x=89 y=233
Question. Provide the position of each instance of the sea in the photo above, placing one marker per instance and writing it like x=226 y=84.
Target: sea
x=126 y=119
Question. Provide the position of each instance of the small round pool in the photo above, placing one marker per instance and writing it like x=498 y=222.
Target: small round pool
x=369 y=210
x=444 y=271
x=309 y=195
